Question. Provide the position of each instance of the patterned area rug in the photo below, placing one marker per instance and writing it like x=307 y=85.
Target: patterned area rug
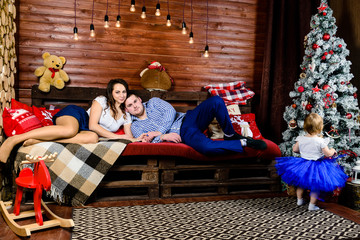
x=266 y=218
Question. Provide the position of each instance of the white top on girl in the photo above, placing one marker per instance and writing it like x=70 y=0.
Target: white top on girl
x=106 y=120
x=311 y=147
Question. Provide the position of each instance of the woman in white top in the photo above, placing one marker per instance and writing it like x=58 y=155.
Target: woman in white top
x=107 y=113
x=314 y=169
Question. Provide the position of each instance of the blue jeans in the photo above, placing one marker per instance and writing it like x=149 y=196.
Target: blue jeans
x=196 y=122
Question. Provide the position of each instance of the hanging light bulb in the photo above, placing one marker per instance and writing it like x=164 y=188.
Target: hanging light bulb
x=132 y=7
x=143 y=12
x=183 y=31
x=183 y=28
x=168 y=21
x=106 y=19
x=157 y=12
x=191 y=35
x=206 y=53
x=191 y=38
x=76 y=37
x=118 y=18
x=92 y=30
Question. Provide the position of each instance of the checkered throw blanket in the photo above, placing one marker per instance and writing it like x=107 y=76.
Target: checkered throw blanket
x=78 y=169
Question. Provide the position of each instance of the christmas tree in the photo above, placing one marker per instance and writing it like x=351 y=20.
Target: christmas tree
x=324 y=87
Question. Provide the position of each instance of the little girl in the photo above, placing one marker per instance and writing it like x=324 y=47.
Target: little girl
x=314 y=170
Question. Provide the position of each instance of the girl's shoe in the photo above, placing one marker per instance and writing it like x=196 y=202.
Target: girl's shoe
x=313 y=207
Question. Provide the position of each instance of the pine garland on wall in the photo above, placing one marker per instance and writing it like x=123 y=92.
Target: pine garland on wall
x=7 y=56
x=324 y=87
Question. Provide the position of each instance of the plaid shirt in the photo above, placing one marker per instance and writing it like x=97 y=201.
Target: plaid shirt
x=160 y=116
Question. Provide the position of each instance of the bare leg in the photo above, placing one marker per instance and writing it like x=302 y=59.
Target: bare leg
x=66 y=127
x=82 y=137
x=313 y=197
x=299 y=192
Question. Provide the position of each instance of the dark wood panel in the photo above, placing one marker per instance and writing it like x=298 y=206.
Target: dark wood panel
x=236 y=38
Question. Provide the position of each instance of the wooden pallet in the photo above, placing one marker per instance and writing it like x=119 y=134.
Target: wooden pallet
x=186 y=178
x=130 y=178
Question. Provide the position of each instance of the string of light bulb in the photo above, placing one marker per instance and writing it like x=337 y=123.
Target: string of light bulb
x=143 y=15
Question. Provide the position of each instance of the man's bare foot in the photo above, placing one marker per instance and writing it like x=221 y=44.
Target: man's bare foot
x=6 y=148
x=31 y=142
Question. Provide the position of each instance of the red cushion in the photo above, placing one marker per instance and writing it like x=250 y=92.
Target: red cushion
x=18 y=121
x=183 y=150
x=120 y=131
x=45 y=116
x=250 y=118
x=18 y=105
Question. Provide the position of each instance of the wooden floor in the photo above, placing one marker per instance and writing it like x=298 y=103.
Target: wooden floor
x=65 y=212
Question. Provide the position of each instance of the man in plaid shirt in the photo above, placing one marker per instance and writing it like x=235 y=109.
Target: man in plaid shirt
x=157 y=121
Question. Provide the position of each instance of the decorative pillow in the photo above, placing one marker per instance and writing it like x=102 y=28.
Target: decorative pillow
x=18 y=121
x=215 y=130
x=249 y=118
x=237 y=96
x=227 y=86
x=18 y=105
x=45 y=116
x=234 y=109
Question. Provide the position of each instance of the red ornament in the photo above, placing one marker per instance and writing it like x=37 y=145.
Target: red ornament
x=328 y=95
x=315 y=46
x=340 y=46
x=355 y=95
x=293 y=106
x=301 y=89
x=325 y=87
x=326 y=37
x=348 y=115
x=325 y=53
x=322 y=7
x=308 y=107
x=324 y=13
x=323 y=58
x=316 y=89
x=331 y=52
x=342 y=83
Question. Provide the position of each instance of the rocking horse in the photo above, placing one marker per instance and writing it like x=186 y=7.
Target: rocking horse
x=37 y=179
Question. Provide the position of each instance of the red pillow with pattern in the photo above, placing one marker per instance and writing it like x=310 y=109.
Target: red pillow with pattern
x=44 y=115
x=18 y=105
x=18 y=121
x=250 y=119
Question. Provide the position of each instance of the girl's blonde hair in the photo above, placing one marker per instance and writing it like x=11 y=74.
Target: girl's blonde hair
x=313 y=123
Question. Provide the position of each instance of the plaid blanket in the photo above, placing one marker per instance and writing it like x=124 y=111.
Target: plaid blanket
x=78 y=169
x=231 y=93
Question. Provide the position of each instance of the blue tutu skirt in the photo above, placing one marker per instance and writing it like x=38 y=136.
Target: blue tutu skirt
x=322 y=175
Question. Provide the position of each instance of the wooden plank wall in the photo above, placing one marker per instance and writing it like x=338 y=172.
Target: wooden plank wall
x=236 y=34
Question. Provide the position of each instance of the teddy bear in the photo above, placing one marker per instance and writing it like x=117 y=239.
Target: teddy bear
x=155 y=77
x=51 y=73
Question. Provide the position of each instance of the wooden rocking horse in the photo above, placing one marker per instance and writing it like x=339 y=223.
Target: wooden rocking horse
x=37 y=179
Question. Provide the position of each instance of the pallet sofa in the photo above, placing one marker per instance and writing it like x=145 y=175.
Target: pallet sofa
x=169 y=170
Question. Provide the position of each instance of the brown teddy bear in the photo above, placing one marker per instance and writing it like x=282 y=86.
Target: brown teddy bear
x=51 y=73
